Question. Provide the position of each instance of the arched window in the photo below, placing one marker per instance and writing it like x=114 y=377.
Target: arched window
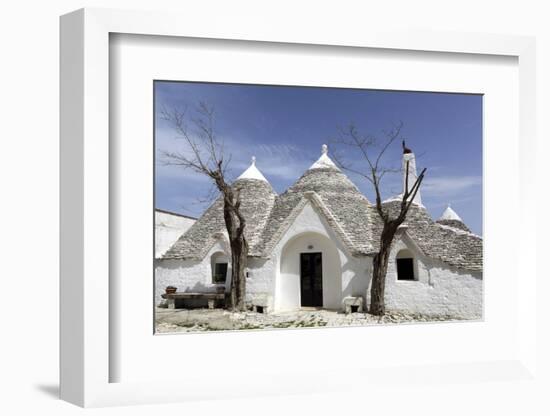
x=405 y=265
x=219 y=268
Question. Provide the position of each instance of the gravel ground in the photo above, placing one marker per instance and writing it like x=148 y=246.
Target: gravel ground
x=199 y=320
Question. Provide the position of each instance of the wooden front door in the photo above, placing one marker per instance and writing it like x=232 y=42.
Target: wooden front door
x=311 y=279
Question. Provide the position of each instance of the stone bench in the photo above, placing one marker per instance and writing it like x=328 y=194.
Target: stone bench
x=352 y=304
x=210 y=297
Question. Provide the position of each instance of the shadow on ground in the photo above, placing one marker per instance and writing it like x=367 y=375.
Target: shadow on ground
x=51 y=390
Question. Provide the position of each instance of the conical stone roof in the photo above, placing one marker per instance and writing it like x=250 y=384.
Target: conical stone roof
x=347 y=211
x=453 y=246
x=343 y=205
x=257 y=198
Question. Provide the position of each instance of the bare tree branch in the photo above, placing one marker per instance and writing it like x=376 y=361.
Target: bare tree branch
x=392 y=135
x=205 y=154
x=374 y=172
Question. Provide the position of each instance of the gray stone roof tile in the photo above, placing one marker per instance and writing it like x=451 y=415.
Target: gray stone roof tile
x=353 y=218
x=456 y=247
x=455 y=224
x=343 y=206
x=257 y=200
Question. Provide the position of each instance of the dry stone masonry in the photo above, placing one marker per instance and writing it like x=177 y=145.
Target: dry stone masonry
x=324 y=212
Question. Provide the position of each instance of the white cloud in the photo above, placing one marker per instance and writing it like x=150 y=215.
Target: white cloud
x=290 y=171
x=177 y=172
x=275 y=161
x=449 y=185
x=278 y=161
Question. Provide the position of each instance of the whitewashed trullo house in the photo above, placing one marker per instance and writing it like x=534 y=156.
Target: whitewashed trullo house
x=313 y=245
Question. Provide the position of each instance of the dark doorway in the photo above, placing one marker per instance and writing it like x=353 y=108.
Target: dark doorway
x=311 y=279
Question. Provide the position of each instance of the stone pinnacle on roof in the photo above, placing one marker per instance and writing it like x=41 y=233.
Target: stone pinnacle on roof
x=451 y=219
x=410 y=161
x=253 y=172
x=324 y=162
x=449 y=214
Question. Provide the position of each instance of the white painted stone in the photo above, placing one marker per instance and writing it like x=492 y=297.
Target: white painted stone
x=352 y=301
x=252 y=172
x=288 y=295
x=168 y=228
x=343 y=274
x=260 y=284
x=409 y=183
x=274 y=283
x=438 y=290
x=190 y=275
x=324 y=161
x=449 y=214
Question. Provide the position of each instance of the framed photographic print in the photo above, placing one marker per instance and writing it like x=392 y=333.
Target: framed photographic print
x=308 y=211
x=311 y=237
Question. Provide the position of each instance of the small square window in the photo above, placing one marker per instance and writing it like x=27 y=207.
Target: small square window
x=220 y=272
x=405 y=269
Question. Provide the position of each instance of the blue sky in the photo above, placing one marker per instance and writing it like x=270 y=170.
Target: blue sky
x=284 y=127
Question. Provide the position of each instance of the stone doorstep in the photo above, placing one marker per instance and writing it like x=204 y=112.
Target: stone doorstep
x=353 y=302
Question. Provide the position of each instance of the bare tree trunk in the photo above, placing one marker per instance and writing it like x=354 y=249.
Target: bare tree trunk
x=374 y=174
x=239 y=251
x=235 y=225
x=379 y=270
x=206 y=156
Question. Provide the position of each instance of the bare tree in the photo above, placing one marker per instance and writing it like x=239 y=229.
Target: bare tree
x=204 y=153
x=373 y=172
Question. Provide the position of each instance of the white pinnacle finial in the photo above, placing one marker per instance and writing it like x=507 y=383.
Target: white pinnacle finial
x=449 y=214
x=410 y=177
x=324 y=161
x=252 y=172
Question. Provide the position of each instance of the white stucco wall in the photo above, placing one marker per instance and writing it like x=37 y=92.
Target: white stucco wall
x=289 y=278
x=194 y=275
x=168 y=228
x=260 y=284
x=439 y=290
x=342 y=274
x=189 y=275
x=275 y=282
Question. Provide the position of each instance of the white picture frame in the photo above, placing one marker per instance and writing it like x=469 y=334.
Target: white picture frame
x=86 y=355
